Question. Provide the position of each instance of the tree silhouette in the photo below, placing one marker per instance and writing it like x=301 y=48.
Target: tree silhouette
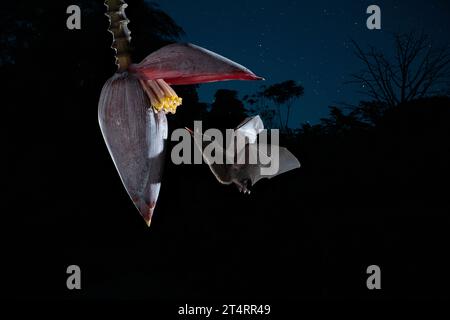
x=227 y=110
x=370 y=112
x=257 y=103
x=284 y=94
x=338 y=122
x=151 y=28
x=418 y=69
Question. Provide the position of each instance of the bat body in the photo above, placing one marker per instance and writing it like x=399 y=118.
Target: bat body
x=246 y=173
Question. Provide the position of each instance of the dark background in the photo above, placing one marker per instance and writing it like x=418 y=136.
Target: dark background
x=371 y=190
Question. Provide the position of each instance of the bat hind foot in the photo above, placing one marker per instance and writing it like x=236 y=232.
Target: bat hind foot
x=243 y=186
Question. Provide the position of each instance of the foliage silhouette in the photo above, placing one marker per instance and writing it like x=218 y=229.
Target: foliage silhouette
x=227 y=110
x=284 y=94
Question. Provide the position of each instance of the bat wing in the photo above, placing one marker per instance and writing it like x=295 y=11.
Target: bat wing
x=220 y=171
x=286 y=162
x=250 y=128
x=206 y=141
x=246 y=132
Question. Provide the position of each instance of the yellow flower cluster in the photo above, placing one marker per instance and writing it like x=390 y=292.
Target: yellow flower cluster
x=161 y=95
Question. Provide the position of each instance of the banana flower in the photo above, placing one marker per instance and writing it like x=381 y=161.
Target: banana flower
x=135 y=100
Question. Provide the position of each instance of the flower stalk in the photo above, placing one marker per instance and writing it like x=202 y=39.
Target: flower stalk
x=121 y=34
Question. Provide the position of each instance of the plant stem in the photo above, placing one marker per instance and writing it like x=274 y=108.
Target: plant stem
x=121 y=34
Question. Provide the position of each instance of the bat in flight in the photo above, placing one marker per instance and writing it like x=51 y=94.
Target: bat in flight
x=246 y=173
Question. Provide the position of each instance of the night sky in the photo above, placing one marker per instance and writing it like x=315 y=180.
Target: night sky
x=307 y=41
